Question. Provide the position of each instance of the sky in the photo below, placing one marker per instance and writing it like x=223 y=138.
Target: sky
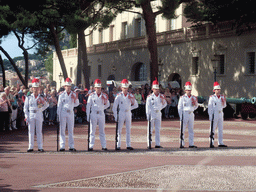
x=10 y=44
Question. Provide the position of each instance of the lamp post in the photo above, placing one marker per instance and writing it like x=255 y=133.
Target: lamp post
x=215 y=60
x=60 y=78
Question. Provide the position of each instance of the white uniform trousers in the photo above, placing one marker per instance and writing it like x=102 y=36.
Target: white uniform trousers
x=33 y=125
x=100 y=120
x=157 y=124
x=127 y=118
x=218 y=122
x=67 y=120
x=188 y=121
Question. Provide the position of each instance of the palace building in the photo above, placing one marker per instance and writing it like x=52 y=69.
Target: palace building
x=186 y=53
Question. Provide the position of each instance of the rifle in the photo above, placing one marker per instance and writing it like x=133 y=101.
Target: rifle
x=181 y=132
x=89 y=130
x=212 y=134
x=116 y=139
x=149 y=133
x=58 y=131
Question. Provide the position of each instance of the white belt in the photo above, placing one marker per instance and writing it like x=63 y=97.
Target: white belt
x=189 y=112
x=97 y=112
x=67 y=110
x=157 y=111
x=127 y=110
x=33 y=111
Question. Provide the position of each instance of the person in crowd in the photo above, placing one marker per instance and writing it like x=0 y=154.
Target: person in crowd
x=187 y=105
x=167 y=95
x=154 y=104
x=65 y=111
x=34 y=106
x=14 y=104
x=215 y=110
x=4 y=114
x=123 y=104
x=97 y=103
x=52 y=107
x=174 y=104
x=138 y=98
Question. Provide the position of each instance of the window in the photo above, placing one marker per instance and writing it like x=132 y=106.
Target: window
x=137 y=29
x=100 y=35
x=124 y=30
x=143 y=73
x=170 y=24
x=195 y=62
x=99 y=70
x=111 y=33
x=251 y=62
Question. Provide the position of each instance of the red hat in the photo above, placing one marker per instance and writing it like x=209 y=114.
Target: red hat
x=188 y=86
x=97 y=83
x=35 y=82
x=124 y=83
x=216 y=85
x=86 y=89
x=155 y=84
x=68 y=82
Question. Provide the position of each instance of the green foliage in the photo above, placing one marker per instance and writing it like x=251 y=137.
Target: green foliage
x=49 y=63
x=242 y=13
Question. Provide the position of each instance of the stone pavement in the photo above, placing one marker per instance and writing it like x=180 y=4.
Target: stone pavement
x=167 y=169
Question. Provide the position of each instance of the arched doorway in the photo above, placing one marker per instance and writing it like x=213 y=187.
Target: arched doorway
x=175 y=77
x=111 y=77
x=139 y=72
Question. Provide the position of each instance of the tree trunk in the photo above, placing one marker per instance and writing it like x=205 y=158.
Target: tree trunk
x=3 y=71
x=149 y=18
x=25 y=53
x=14 y=66
x=58 y=50
x=82 y=57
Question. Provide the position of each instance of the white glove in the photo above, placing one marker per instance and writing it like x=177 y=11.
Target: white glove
x=210 y=117
x=88 y=117
x=147 y=117
x=27 y=120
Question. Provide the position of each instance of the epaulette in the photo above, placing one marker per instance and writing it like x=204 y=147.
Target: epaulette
x=149 y=95
x=105 y=95
x=91 y=93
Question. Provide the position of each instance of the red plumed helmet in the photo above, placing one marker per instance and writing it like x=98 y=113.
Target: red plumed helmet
x=97 y=83
x=188 y=86
x=216 y=85
x=124 y=83
x=68 y=82
x=35 y=82
x=155 y=84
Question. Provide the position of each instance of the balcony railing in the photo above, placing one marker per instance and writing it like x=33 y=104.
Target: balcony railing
x=169 y=37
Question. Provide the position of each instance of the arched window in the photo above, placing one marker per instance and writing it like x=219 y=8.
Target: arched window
x=140 y=72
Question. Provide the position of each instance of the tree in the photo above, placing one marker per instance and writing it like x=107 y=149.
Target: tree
x=241 y=13
x=167 y=10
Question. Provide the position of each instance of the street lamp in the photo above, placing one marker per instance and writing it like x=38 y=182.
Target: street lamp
x=60 y=78
x=215 y=60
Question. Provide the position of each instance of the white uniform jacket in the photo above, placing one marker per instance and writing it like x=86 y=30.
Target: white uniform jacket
x=186 y=104
x=66 y=104
x=216 y=105
x=154 y=105
x=32 y=109
x=124 y=103
x=97 y=104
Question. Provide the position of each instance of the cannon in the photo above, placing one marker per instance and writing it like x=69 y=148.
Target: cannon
x=247 y=107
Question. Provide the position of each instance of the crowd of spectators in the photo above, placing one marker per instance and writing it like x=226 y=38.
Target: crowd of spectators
x=12 y=100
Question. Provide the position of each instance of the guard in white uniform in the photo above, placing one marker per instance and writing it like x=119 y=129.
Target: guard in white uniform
x=124 y=102
x=65 y=111
x=33 y=108
x=96 y=104
x=187 y=105
x=154 y=104
x=215 y=110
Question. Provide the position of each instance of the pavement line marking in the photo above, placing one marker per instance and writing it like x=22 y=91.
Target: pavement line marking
x=203 y=162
